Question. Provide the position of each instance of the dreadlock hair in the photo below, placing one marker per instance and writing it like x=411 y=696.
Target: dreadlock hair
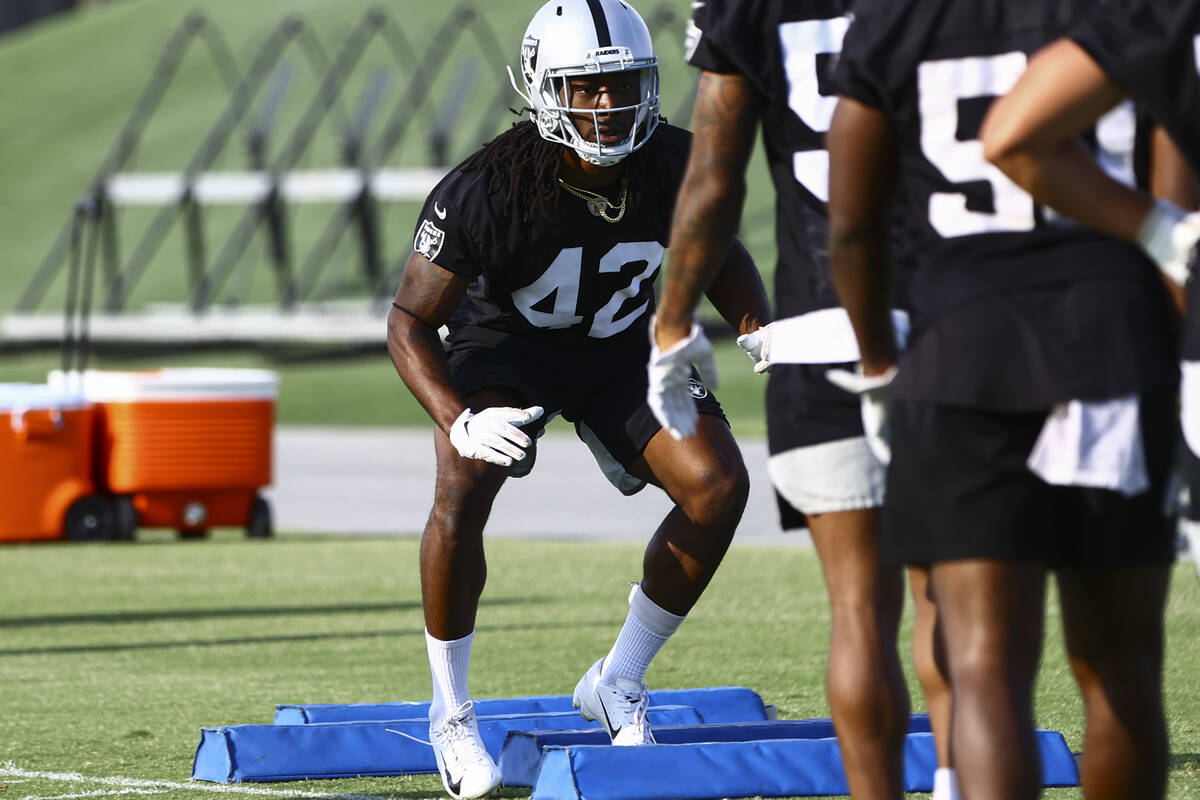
x=525 y=166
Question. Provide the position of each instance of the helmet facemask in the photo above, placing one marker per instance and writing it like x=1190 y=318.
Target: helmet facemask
x=549 y=63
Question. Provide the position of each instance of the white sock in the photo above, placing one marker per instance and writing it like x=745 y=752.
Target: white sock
x=449 y=663
x=945 y=784
x=646 y=630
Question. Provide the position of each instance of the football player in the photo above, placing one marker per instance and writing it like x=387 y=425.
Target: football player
x=1030 y=414
x=539 y=253
x=770 y=61
x=1118 y=51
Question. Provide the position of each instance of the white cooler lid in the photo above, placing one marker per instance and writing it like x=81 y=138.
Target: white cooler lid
x=170 y=383
x=28 y=396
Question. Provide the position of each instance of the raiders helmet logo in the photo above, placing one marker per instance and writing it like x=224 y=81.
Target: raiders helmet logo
x=429 y=240
x=529 y=51
x=698 y=390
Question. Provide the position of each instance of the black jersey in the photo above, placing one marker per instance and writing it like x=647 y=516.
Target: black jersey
x=1151 y=48
x=1014 y=308
x=574 y=279
x=787 y=49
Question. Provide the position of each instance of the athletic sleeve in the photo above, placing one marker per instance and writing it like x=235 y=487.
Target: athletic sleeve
x=1130 y=42
x=863 y=65
x=706 y=45
x=447 y=231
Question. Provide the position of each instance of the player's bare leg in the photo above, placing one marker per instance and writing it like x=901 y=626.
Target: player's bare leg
x=1113 y=626
x=991 y=617
x=706 y=478
x=929 y=661
x=867 y=693
x=453 y=573
x=453 y=569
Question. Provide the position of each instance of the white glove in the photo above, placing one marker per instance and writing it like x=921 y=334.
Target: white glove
x=668 y=392
x=757 y=345
x=874 y=393
x=492 y=435
x=1168 y=234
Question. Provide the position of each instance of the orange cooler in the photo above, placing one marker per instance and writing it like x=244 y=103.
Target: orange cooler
x=46 y=466
x=186 y=448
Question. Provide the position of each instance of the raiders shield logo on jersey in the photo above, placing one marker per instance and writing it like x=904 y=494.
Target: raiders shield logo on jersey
x=698 y=389
x=429 y=240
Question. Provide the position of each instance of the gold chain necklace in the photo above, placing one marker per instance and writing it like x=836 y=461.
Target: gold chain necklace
x=597 y=203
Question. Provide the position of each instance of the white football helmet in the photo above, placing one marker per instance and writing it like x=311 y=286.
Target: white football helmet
x=581 y=38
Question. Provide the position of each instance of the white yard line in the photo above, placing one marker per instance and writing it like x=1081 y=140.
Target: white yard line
x=102 y=793
x=8 y=770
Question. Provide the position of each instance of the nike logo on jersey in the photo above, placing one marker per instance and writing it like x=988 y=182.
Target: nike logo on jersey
x=697 y=3
x=441 y=212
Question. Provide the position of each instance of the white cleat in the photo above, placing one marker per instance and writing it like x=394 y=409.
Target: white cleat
x=466 y=768
x=618 y=704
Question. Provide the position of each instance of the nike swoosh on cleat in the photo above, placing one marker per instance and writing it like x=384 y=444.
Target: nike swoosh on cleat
x=455 y=787
x=612 y=732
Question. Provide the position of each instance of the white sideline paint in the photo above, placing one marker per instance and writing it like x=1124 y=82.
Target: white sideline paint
x=102 y=793
x=142 y=786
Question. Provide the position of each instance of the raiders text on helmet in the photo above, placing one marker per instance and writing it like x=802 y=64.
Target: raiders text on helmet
x=585 y=38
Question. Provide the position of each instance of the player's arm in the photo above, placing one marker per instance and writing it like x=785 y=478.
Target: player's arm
x=427 y=296
x=1032 y=135
x=707 y=213
x=737 y=291
x=862 y=180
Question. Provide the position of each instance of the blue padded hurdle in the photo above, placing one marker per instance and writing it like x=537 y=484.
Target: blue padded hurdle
x=521 y=754
x=761 y=768
x=257 y=753
x=715 y=704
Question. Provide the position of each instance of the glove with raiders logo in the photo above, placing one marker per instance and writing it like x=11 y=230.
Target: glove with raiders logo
x=1169 y=235
x=757 y=345
x=669 y=393
x=493 y=434
x=873 y=392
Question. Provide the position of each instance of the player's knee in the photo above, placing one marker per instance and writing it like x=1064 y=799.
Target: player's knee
x=462 y=503
x=717 y=496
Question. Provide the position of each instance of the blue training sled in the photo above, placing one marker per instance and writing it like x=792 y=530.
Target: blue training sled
x=260 y=753
x=521 y=754
x=715 y=704
x=725 y=769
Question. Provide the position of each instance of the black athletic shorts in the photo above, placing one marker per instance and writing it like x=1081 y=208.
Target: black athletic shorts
x=804 y=408
x=602 y=387
x=958 y=487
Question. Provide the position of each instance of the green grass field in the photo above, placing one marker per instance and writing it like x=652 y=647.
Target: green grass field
x=114 y=657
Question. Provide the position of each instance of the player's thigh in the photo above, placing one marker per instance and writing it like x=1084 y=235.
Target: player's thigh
x=618 y=421
x=709 y=462
x=1114 y=617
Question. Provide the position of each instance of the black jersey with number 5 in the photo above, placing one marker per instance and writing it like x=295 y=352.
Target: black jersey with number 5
x=1151 y=49
x=1014 y=308
x=787 y=50
x=574 y=279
